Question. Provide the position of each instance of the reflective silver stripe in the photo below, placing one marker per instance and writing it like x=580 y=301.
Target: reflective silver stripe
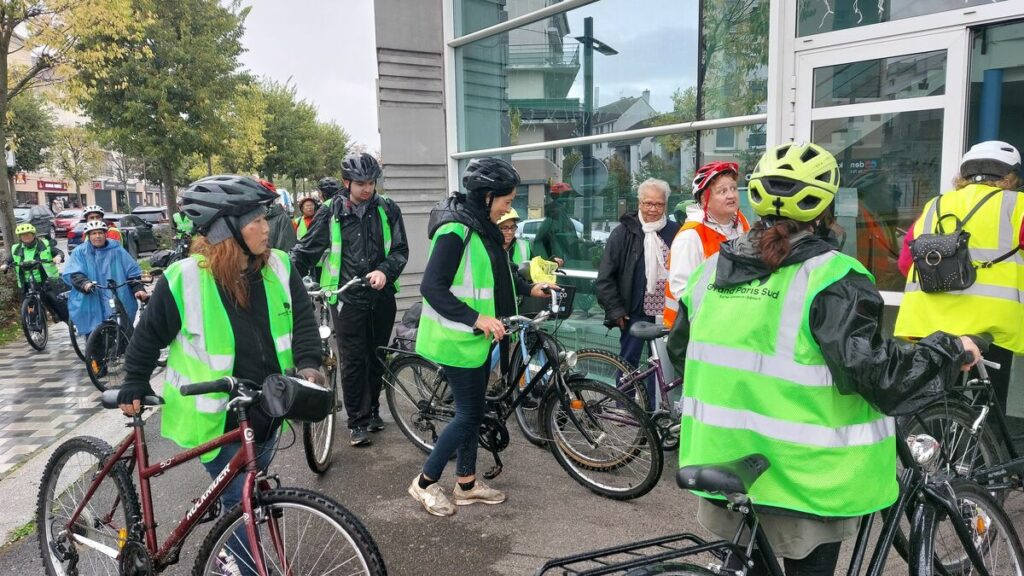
x=432 y=314
x=929 y=216
x=471 y=292
x=672 y=304
x=210 y=405
x=792 y=315
x=193 y=321
x=283 y=343
x=522 y=247
x=772 y=366
x=697 y=296
x=986 y=290
x=797 y=433
x=174 y=378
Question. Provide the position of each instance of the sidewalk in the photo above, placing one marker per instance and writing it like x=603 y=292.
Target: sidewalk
x=42 y=396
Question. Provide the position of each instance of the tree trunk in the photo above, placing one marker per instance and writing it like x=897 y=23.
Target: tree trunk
x=78 y=195
x=170 y=192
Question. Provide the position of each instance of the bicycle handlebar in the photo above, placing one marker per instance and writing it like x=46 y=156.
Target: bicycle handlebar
x=228 y=385
x=517 y=323
x=316 y=291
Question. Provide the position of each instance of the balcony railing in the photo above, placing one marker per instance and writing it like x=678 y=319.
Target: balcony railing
x=544 y=55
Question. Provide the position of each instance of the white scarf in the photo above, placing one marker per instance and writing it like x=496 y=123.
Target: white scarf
x=654 y=267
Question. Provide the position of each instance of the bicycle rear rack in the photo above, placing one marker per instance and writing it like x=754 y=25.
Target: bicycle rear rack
x=620 y=559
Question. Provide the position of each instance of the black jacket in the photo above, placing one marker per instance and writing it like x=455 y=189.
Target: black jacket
x=846 y=322
x=362 y=241
x=255 y=359
x=623 y=253
x=282 y=233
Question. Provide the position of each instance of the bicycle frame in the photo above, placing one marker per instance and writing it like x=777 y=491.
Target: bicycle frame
x=244 y=462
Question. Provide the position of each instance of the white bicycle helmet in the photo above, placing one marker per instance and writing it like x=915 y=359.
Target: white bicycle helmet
x=94 y=225
x=94 y=209
x=990 y=160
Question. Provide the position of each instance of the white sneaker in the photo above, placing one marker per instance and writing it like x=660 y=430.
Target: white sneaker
x=479 y=493
x=432 y=498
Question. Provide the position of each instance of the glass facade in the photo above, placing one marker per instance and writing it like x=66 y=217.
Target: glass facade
x=910 y=76
x=819 y=16
x=997 y=85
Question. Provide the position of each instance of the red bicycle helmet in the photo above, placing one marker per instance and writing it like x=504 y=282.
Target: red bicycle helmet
x=706 y=173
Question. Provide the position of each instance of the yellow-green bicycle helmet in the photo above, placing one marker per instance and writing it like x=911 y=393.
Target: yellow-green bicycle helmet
x=25 y=228
x=795 y=181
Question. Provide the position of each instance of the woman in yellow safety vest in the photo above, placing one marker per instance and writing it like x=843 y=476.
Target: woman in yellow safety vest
x=307 y=209
x=233 y=293
x=467 y=285
x=802 y=374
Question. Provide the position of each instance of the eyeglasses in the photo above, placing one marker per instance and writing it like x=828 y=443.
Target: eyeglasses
x=652 y=205
x=507 y=228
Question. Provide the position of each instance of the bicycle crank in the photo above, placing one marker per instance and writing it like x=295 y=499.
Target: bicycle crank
x=668 y=429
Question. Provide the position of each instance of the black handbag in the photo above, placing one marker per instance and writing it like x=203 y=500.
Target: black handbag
x=942 y=262
x=295 y=399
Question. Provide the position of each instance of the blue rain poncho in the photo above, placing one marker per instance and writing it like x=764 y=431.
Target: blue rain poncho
x=100 y=264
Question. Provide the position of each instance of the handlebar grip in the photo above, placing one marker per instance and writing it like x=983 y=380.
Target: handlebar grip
x=222 y=385
x=983 y=341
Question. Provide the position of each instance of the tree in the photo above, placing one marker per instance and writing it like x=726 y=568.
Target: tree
x=290 y=133
x=162 y=94
x=49 y=32
x=332 y=144
x=244 y=146
x=76 y=157
x=30 y=131
x=684 y=109
x=734 y=52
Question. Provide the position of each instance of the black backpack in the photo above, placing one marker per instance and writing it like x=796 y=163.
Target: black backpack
x=942 y=262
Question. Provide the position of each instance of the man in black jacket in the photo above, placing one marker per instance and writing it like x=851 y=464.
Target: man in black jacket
x=360 y=234
x=633 y=268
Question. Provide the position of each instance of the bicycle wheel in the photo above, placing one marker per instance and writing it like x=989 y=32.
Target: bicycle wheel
x=33 y=322
x=608 y=368
x=104 y=356
x=992 y=534
x=670 y=569
x=419 y=399
x=604 y=440
x=111 y=510
x=300 y=532
x=962 y=453
x=73 y=335
x=318 y=437
x=528 y=413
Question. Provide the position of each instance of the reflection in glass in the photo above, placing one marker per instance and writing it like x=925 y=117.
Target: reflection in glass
x=997 y=86
x=890 y=165
x=910 y=76
x=734 y=68
x=473 y=15
x=818 y=16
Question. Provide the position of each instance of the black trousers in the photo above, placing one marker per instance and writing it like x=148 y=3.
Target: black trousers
x=360 y=331
x=821 y=561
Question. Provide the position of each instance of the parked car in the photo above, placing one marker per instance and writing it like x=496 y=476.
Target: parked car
x=39 y=215
x=152 y=214
x=66 y=220
x=137 y=234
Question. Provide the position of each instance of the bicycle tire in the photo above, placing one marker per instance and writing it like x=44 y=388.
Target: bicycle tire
x=275 y=506
x=671 y=569
x=987 y=522
x=73 y=336
x=608 y=415
x=33 y=322
x=104 y=356
x=608 y=368
x=415 y=402
x=528 y=415
x=318 y=437
x=118 y=483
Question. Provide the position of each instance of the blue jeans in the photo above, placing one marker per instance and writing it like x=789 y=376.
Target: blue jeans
x=462 y=435
x=632 y=349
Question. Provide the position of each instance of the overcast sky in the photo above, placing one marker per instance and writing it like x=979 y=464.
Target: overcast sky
x=327 y=48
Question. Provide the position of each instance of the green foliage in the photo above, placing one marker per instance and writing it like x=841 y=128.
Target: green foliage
x=75 y=155
x=244 y=147
x=290 y=133
x=332 y=144
x=684 y=109
x=22 y=532
x=735 y=57
x=30 y=130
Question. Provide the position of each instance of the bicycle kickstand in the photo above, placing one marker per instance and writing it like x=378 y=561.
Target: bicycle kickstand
x=496 y=469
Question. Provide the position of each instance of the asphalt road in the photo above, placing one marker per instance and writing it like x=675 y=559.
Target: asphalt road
x=547 y=514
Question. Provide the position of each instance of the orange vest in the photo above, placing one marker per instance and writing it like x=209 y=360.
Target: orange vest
x=711 y=240
x=114 y=234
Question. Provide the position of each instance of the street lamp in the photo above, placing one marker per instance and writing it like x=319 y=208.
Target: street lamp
x=586 y=151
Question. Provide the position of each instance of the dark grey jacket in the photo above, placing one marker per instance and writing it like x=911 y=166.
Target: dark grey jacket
x=623 y=253
x=362 y=241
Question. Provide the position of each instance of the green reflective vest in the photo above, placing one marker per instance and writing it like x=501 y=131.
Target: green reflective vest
x=204 y=348
x=451 y=343
x=42 y=251
x=330 y=277
x=300 y=228
x=182 y=225
x=762 y=386
x=520 y=251
x=994 y=304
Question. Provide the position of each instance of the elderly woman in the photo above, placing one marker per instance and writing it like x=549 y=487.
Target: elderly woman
x=631 y=279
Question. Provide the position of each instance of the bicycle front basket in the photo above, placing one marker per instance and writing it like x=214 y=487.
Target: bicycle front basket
x=295 y=399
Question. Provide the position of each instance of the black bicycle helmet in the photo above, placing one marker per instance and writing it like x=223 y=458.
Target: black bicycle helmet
x=490 y=175
x=213 y=197
x=328 y=187
x=360 y=167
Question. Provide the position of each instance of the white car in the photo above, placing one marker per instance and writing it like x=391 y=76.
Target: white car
x=528 y=229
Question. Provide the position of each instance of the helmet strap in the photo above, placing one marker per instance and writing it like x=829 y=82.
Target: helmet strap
x=233 y=227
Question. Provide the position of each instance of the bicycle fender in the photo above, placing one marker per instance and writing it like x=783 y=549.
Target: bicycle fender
x=922 y=540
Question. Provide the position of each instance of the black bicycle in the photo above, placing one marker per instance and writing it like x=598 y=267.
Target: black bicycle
x=106 y=345
x=33 y=311
x=599 y=436
x=957 y=528
x=318 y=437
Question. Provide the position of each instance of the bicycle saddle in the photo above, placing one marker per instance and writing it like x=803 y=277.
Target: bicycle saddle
x=647 y=331
x=109 y=400
x=734 y=477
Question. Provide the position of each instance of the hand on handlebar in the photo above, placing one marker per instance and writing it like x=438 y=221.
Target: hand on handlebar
x=491 y=327
x=377 y=279
x=543 y=290
x=142 y=295
x=970 y=348
x=88 y=287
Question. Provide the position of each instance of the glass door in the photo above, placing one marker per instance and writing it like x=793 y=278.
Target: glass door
x=893 y=114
